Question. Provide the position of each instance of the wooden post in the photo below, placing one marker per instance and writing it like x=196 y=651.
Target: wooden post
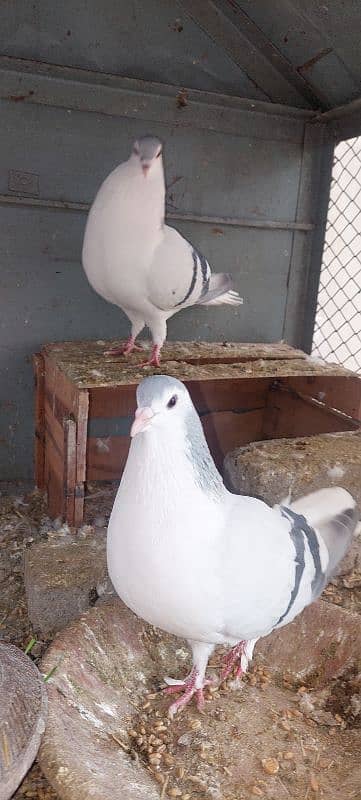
x=69 y=469
x=81 y=451
x=39 y=445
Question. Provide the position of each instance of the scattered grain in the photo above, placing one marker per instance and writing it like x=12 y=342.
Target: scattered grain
x=270 y=765
x=155 y=758
x=314 y=784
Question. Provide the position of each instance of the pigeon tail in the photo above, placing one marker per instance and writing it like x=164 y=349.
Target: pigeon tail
x=220 y=291
x=334 y=514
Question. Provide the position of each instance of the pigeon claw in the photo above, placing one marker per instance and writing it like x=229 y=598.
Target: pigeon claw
x=124 y=349
x=189 y=689
x=234 y=658
x=154 y=360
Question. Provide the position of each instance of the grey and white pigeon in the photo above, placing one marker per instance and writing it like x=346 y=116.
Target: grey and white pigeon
x=134 y=260
x=199 y=562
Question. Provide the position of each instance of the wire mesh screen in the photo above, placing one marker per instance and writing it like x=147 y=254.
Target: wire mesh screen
x=337 y=333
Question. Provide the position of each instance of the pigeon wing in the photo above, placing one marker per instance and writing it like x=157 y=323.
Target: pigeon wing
x=179 y=275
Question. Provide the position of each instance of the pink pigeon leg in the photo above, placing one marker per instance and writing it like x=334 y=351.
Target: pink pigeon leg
x=124 y=349
x=189 y=689
x=154 y=359
x=194 y=684
x=231 y=659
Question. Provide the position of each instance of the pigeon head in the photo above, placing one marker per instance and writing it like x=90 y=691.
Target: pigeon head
x=166 y=409
x=147 y=151
x=163 y=402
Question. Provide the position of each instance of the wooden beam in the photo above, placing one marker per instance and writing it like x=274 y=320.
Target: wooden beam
x=83 y=90
x=230 y=28
x=68 y=205
x=266 y=48
x=344 y=121
x=340 y=112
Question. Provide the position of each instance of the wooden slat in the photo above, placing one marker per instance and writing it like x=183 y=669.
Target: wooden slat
x=112 y=401
x=54 y=429
x=59 y=386
x=106 y=457
x=235 y=407
x=70 y=432
x=289 y=415
x=81 y=449
x=58 y=409
x=211 y=395
x=229 y=395
x=224 y=431
x=55 y=457
x=227 y=430
x=337 y=391
x=39 y=448
x=85 y=366
x=55 y=494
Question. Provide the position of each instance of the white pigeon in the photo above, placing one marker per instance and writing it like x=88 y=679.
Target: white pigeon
x=199 y=562
x=134 y=260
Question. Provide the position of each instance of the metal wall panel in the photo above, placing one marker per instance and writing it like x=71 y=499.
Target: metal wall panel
x=322 y=40
x=44 y=294
x=45 y=297
x=152 y=40
x=72 y=152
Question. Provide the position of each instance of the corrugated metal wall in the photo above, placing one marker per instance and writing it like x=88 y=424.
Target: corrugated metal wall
x=224 y=159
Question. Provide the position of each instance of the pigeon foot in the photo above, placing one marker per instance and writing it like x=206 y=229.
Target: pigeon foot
x=154 y=360
x=124 y=349
x=189 y=689
x=234 y=658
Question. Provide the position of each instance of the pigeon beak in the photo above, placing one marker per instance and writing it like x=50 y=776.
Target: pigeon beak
x=145 y=168
x=141 y=422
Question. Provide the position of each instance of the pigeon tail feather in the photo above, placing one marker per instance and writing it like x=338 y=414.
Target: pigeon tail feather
x=220 y=291
x=334 y=514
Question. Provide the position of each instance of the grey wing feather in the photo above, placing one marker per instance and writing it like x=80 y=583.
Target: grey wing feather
x=220 y=291
x=334 y=515
x=180 y=276
x=326 y=518
x=337 y=535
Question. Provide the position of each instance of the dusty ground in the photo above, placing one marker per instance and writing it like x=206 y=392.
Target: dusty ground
x=307 y=744
x=308 y=740
x=23 y=520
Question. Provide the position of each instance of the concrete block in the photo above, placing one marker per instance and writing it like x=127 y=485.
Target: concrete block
x=324 y=641
x=64 y=576
x=273 y=469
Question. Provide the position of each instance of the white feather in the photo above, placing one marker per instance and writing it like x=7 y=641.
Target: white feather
x=230 y=298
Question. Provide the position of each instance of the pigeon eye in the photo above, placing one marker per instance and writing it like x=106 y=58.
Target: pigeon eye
x=158 y=154
x=171 y=403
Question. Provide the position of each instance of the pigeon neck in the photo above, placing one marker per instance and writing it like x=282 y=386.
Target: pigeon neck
x=183 y=469
x=205 y=471
x=149 y=200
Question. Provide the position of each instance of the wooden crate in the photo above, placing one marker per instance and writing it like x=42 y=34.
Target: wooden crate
x=85 y=402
